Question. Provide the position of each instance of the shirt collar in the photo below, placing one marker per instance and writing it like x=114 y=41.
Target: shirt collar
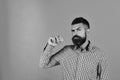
x=87 y=48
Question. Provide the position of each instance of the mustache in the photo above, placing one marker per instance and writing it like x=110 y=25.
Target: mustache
x=76 y=37
x=78 y=40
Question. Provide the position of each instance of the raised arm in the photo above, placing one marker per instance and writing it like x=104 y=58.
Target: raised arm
x=48 y=58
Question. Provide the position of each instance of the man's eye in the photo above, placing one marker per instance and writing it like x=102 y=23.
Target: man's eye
x=72 y=30
x=79 y=29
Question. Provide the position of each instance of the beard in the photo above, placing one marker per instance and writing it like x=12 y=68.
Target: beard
x=78 y=40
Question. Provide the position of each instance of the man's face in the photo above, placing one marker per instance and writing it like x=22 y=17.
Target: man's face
x=79 y=34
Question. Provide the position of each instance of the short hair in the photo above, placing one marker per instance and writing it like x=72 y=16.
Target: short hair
x=80 y=20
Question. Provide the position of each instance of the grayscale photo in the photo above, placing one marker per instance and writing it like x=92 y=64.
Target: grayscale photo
x=59 y=40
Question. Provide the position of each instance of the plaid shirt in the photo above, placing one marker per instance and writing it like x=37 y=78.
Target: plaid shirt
x=77 y=64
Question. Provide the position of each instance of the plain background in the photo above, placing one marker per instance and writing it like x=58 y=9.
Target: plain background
x=25 y=26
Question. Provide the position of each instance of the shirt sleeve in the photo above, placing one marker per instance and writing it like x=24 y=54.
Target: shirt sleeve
x=102 y=68
x=49 y=59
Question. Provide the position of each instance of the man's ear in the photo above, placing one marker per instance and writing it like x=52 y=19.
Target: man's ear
x=88 y=30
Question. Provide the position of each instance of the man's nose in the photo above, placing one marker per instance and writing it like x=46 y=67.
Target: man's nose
x=75 y=33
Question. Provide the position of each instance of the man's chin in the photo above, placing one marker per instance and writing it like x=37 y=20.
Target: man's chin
x=79 y=44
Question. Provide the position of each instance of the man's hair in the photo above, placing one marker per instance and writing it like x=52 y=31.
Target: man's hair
x=80 y=20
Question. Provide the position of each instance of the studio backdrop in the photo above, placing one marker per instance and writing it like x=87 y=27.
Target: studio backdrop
x=26 y=25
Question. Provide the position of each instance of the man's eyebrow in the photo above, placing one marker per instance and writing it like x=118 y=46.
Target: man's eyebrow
x=77 y=28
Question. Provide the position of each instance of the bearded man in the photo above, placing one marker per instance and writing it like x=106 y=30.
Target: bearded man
x=79 y=61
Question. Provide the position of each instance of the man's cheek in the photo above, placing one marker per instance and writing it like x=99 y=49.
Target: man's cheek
x=81 y=34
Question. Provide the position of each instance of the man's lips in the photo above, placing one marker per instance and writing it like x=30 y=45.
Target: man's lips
x=76 y=38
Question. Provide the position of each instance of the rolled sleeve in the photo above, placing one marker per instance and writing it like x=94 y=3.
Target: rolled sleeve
x=49 y=59
x=45 y=56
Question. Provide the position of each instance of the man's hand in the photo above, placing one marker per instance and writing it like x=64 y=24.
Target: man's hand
x=53 y=41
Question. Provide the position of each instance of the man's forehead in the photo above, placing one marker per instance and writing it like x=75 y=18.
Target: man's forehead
x=77 y=26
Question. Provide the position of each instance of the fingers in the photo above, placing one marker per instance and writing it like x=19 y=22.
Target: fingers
x=55 y=40
x=61 y=38
x=51 y=41
x=58 y=39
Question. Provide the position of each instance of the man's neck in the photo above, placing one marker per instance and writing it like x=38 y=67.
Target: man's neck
x=84 y=44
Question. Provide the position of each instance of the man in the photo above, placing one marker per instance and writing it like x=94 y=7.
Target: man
x=80 y=61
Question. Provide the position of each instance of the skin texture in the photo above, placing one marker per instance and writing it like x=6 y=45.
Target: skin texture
x=80 y=30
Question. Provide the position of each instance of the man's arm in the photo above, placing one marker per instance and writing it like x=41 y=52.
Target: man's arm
x=48 y=58
x=102 y=68
x=45 y=58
